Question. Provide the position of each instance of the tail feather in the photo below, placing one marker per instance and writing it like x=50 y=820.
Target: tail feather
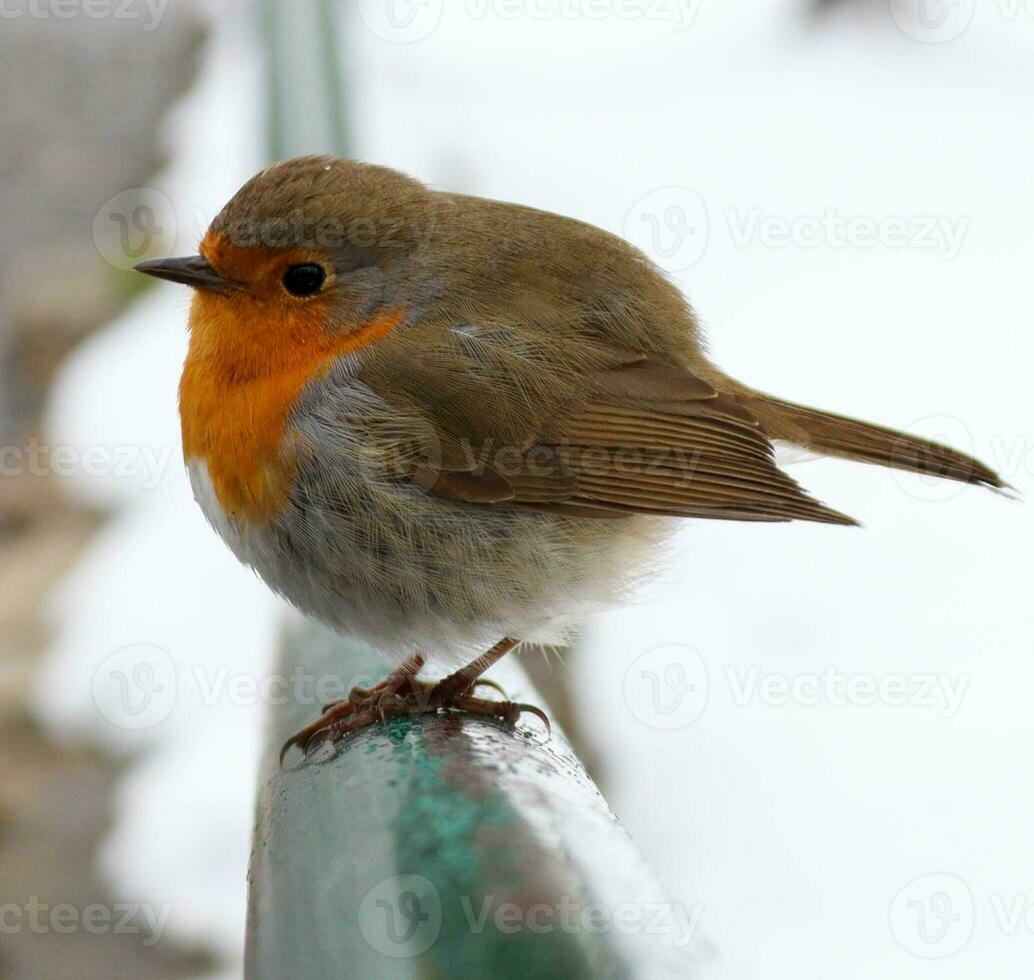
x=837 y=435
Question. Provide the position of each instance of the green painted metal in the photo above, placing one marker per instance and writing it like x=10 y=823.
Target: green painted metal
x=443 y=846
x=305 y=104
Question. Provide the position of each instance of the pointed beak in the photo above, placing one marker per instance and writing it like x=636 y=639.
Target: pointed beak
x=191 y=271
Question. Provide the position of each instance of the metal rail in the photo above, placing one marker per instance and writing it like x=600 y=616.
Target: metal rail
x=445 y=846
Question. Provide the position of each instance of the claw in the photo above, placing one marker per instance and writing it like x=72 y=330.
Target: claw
x=299 y=740
x=402 y=694
x=538 y=713
x=326 y=722
x=327 y=730
x=285 y=748
x=487 y=682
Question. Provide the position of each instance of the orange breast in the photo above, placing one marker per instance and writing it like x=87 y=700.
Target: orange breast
x=247 y=363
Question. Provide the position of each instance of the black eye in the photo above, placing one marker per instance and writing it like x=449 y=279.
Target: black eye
x=304 y=280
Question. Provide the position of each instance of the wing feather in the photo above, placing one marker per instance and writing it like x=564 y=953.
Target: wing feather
x=622 y=433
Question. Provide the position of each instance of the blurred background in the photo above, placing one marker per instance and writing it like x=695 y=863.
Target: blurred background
x=820 y=738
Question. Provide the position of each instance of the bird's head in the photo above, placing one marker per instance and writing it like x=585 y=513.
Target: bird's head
x=303 y=256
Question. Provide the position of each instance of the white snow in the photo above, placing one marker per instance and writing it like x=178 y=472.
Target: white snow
x=158 y=615
x=794 y=823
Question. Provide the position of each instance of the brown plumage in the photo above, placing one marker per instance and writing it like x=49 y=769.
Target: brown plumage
x=435 y=420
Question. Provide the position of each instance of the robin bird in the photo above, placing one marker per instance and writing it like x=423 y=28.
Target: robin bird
x=446 y=424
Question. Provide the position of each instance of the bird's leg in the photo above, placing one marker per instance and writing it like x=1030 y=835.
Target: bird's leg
x=359 y=702
x=402 y=694
x=455 y=691
x=398 y=679
x=463 y=680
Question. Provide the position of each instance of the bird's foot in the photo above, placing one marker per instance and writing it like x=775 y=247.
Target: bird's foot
x=398 y=680
x=399 y=695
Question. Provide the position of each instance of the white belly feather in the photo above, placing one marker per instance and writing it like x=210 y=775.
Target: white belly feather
x=404 y=571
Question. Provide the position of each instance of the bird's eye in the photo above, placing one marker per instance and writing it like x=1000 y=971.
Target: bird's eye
x=305 y=279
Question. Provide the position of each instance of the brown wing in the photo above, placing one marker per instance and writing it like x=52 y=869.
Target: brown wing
x=638 y=437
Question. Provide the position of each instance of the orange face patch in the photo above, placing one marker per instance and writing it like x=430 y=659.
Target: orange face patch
x=251 y=353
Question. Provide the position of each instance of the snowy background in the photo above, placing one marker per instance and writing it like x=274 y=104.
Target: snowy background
x=820 y=737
